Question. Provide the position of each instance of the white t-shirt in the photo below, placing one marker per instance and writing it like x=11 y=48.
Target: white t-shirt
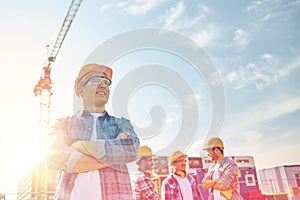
x=87 y=185
x=217 y=194
x=186 y=188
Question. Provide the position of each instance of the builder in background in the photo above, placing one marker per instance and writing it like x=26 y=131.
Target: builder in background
x=143 y=185
x=222 y=176
x=179 y=185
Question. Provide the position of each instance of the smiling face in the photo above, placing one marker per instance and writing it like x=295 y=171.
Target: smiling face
x=95 y=95
x=179 y=164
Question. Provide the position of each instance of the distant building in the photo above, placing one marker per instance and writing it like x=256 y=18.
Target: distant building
x=2 y=196
x=25 y=186
x=37 y=184
x=198 y=167
x=282 y=180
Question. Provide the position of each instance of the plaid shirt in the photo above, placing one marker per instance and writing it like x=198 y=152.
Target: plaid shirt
x=144 y=187
x=115 y=180
x=228 y=173
x=172 y=190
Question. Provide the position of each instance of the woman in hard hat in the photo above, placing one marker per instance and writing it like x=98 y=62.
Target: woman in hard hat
x=222 y=176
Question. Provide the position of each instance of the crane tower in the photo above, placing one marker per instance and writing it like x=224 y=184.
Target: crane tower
x=43 y=179
x=43 y=86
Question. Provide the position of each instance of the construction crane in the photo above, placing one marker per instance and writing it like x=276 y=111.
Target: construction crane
x=43 y=186
x=43 y=86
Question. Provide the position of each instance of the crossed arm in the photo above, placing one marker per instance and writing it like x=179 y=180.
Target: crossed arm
x=225 y=182
x=89 y=161
x=216 y=184
x=84 y=156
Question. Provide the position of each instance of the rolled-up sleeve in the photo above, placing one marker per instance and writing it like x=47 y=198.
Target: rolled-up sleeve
x=59 y=156
x=229 y=174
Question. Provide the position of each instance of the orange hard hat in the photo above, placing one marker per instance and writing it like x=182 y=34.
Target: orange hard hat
x=91 y=70
x=214 y=142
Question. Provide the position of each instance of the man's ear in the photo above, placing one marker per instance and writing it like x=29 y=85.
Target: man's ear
x=172 y=164
x=80 y=92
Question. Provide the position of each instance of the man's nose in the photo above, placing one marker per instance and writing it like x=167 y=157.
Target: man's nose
x=101 y=84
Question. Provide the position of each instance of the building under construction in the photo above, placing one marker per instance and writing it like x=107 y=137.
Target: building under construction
x=198 y=167
x=279 y=183
x=282 y=182
x=39 y=183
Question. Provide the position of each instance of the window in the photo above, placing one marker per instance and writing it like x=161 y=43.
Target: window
x=250 y=180
x=242 y=160
x=297 y=177
x=208 y=161
x=161 y=165
x=195 y=162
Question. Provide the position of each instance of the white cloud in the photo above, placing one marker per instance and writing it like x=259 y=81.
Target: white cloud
x=266 y=56
x=253 y=5
x=278 y=150
x=286 y=70
x=241 y=38
x=246 y=127
x=194 y=98
x=106 y=6
x=139 y=7
x=173 y=14
x=231 y=77
x=243 y=134
x=270 y=59
x=214 y=79
x=251 y=74
x=268 y=9
x=281 y=155
x=173 y=18
x=206 y=36
x=261 y=73
x=267 y=17
x=263 y=113
x=204 y=10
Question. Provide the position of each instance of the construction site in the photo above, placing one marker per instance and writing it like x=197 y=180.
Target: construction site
x=277 y=182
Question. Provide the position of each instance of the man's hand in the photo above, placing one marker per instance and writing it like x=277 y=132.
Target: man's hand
x=87 y=164
x=123 y=135
x=91 y=148
x=89 y=161
x=208 y=183
x=86 y=147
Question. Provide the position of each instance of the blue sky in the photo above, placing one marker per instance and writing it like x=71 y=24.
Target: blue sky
x=254 y=45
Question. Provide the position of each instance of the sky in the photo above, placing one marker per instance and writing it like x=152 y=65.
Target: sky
x=251 y=47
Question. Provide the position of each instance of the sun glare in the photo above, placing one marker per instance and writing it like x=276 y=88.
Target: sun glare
x=24 y=149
